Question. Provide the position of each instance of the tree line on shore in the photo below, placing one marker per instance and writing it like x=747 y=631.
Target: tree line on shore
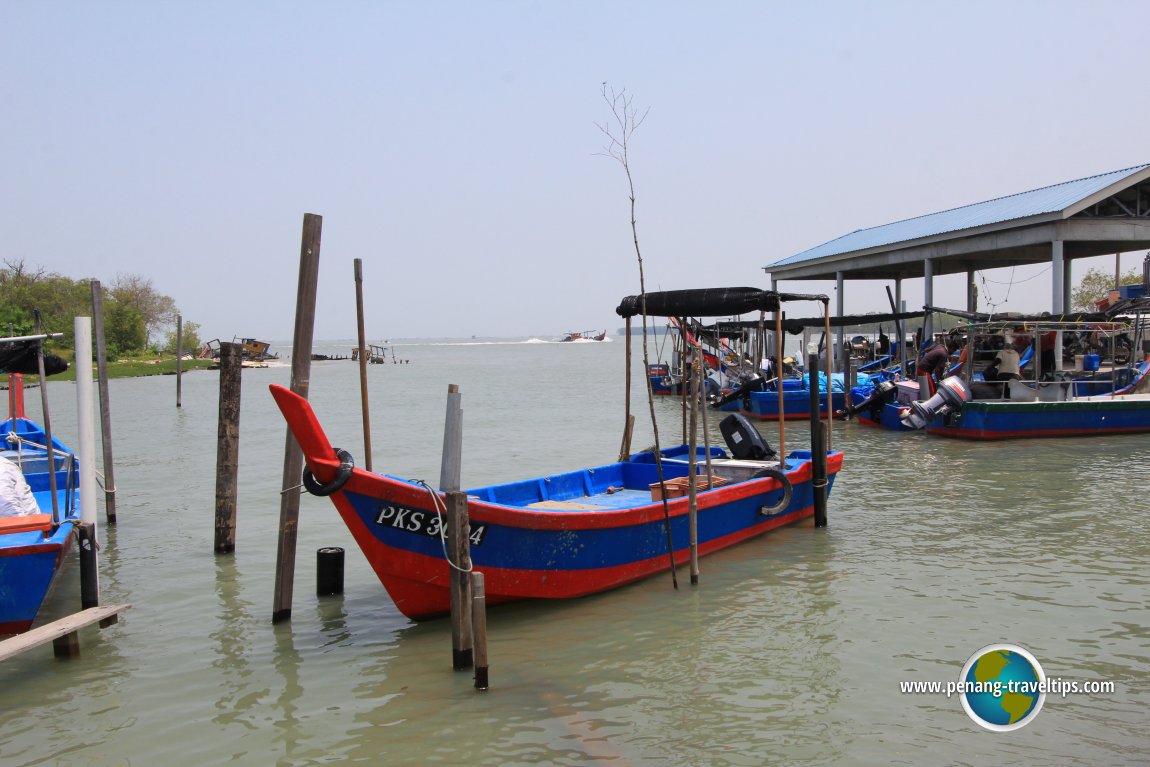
x=138 y=319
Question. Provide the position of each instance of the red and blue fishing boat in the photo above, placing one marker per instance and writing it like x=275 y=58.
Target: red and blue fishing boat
x=553 y=537
x=567 y=534
x=33 y=545
x=1051 y=409
x=39 y=502
x=794 y=402
x=1084 y=401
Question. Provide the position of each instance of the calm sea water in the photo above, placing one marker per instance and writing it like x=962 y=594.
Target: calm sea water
x=790 y=650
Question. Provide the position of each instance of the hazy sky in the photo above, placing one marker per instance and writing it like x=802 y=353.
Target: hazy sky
x=453 y=145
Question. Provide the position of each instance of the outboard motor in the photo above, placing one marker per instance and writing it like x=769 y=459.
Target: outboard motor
x=952 y=392
x=884 y=392
x=754 y=383
x=744 y=439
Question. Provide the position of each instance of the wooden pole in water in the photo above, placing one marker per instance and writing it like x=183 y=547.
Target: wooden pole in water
x=179 y=360
x=779 y=389
x=818 y=452
x=692 y=464
x=458 y=540
x=105 y=402
x=362 y=364
x=228 y=447
x=628 y=419
x=479 y=629
x=89 y=565
x=459 y=552
x=49 y=448
x=684 y=369
x=452 y=441
x=301 y=385
x=830 y=396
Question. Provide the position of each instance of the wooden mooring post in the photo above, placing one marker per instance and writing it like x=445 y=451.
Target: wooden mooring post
x=179 y=360
x=105 y=402
x=301 y=385
x=362 y=363
x=228 y=446
x=479 y=629
x=458 y=540
x=818 y=444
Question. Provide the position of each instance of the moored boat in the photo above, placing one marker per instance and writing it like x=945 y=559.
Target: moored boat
x=1054 y=402
x=578 y=532
x=33 y=539
x=560 y=536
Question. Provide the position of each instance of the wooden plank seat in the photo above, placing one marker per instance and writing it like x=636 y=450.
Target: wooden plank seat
x=30 y=523
x=63 y=633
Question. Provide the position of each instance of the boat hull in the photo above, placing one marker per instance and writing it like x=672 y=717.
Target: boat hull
x=1095 y=416
x=27 y=572
x=33 y=548
x=556 y=537
x=764 y=405
x=556 y=555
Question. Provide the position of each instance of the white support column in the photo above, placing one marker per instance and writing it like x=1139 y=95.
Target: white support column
x=776 y=343
x=1067 y=303
x=928 y=298
x=840 y=350
x=971 y=292
x=900 y=308
x=1057 y=277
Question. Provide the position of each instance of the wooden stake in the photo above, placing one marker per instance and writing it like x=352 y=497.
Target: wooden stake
x=452 y=441
x=89 y=566
x=362 y=364
x=830 y=397
x=479 y=629
x=179 y=360
x=692 y=462
x=105 y=402
x=49 y=448
x=459 y=552
x=301 y=385
x=628 y=419
x=818 y=451
x=228 y=447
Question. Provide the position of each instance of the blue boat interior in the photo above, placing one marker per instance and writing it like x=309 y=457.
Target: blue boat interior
x=609 y=487
x=22 y=443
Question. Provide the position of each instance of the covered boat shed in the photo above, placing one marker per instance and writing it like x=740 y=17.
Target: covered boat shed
x=1094 y=216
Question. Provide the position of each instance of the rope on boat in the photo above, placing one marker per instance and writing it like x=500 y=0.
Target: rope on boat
x=19 y=441
x=441 y=508
x=69 y=490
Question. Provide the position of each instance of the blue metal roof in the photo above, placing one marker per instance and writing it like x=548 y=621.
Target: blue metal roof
x=1049 y=199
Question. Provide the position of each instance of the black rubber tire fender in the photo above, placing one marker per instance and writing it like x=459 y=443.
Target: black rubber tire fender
x=346 y=467
x=788 y=490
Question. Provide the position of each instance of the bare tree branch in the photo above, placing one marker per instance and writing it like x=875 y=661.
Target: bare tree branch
x=619 y=130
